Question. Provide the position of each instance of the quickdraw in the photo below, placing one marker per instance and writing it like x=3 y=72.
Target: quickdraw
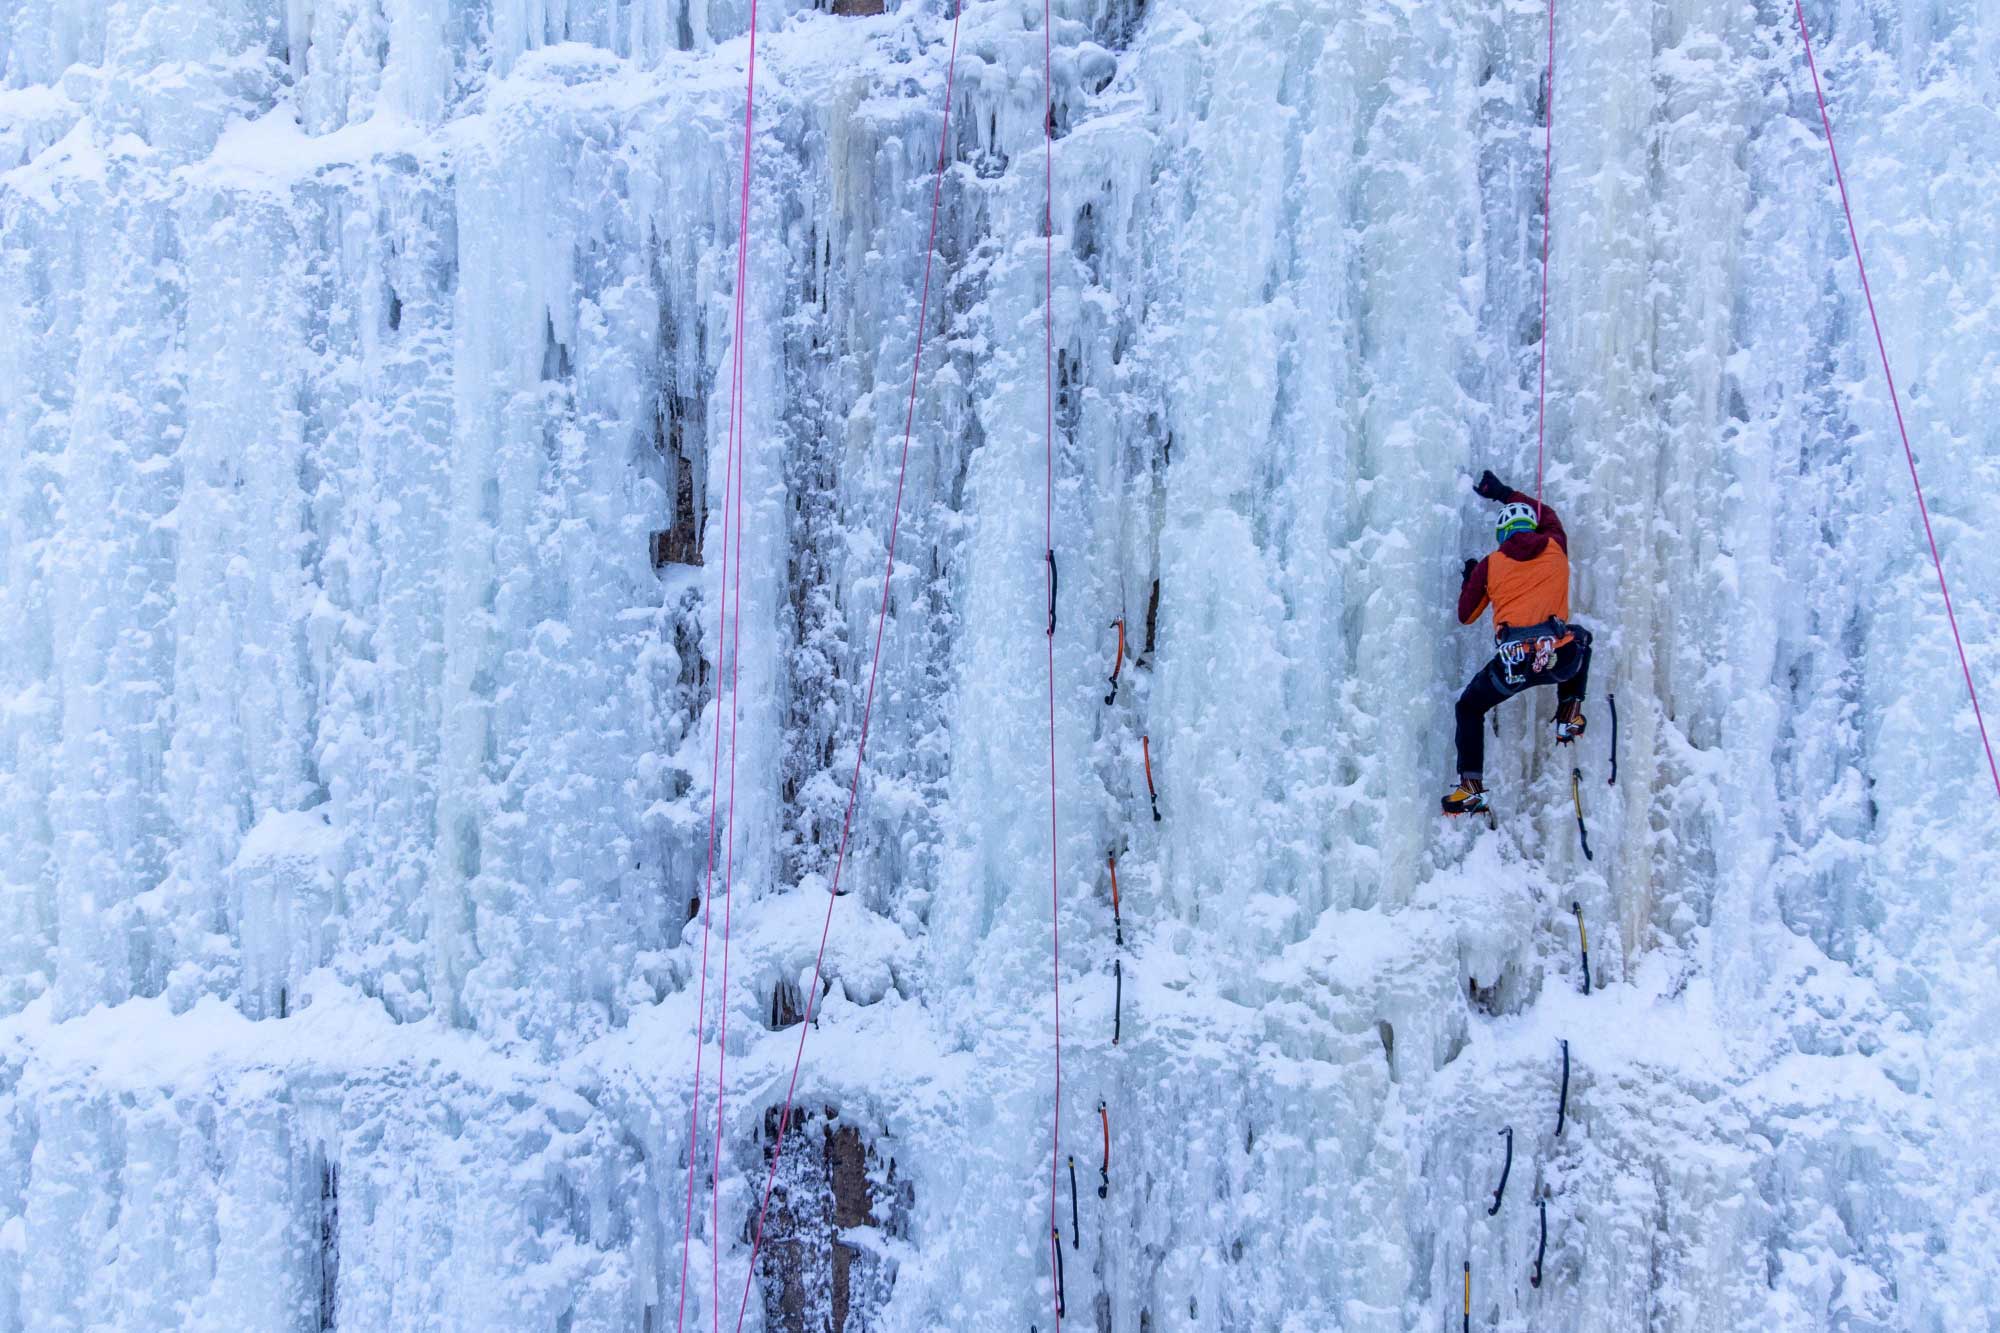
x=1075 y=1231
x=1507 y=1166
x=1152 y=792
x=1118 y=662
x=1118 y=998
x=1562 y=1097
x=1542 y=1245
x=1052 y=594
x=1104 y=1171
x=1583 y=943
x=1117 y=921
x=1612 y=781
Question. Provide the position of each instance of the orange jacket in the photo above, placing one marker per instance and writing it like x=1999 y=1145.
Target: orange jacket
x=1526 y=581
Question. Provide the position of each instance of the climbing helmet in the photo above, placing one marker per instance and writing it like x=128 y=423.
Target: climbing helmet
x=1515 y=516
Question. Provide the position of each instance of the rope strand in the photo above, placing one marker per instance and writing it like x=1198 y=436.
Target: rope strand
x=1548 y=175
x=1895 y=400
x=737 y=432
x=868 y=700
x=1049 y=545
x=732 y=463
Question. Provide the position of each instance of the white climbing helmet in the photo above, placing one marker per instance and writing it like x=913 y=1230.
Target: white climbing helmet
x=1516 y=516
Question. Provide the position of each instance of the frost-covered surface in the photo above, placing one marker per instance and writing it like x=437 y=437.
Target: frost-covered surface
x=354 y=760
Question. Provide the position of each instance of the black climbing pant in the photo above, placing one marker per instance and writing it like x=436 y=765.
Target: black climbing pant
x=1570 y=674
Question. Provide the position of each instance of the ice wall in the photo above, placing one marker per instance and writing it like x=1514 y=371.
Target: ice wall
x=355 y=754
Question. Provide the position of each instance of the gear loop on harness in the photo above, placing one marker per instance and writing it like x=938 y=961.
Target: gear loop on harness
x=1535 y=645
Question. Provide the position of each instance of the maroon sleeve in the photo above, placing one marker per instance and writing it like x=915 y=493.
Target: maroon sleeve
x=1472 y=597
x=1550 y=524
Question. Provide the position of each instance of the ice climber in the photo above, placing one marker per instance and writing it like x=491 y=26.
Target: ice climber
x=1526 y=582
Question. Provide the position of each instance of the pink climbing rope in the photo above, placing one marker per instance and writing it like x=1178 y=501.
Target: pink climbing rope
x=736 y=431
x=1049 y=545
x=874 y=666
x=732 y=475
x=1548 y=175
x=708 y=875
x=1895 y=400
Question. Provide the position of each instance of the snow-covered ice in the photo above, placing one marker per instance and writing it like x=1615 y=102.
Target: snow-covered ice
x=355 y=757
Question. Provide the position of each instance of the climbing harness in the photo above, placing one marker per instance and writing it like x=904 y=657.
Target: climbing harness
x=1152 y=792
x=1562 y=1097
x=1117 y=662
x=1117 y=921
x=1104 y=1171
x=1576 y=796
x=814 y=992
x=1500 y=1190
x=1118 y=998
x=1612 y=699
x=1541 y=1245
x=1075 y=1227
x=1895 y=399
x=1533 y=645
x=1583 y=942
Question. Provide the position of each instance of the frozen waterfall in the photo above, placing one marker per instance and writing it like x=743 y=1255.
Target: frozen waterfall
x=363 y=390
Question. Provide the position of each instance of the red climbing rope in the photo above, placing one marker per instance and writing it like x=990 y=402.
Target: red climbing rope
x=731 y=617
x=708 y=878
x=1049 y=545
x=874 y=665
x=1548 y=175
x=737 y=432
x=1895 y=401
